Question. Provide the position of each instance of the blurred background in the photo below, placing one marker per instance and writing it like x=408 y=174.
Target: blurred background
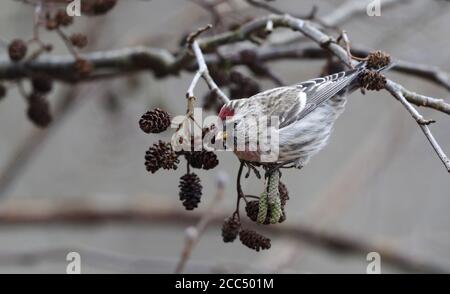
x=378 y=181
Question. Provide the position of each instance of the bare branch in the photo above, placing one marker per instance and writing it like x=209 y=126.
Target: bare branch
x=113 y=63
x=428 y=72
x=396 y=91
x=272 y=9
x=338 y=16
x=163 y=63
x=120 y=61
x=203 y=72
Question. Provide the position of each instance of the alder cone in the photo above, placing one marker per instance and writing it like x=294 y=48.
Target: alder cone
x=62 y=18
x=39 y=111
x=42 y=84
x=252 y=209
x=190 y=191
x=377 y=60
x=154 y=121
x=372 y=80
x=160 y=155
x=284 y=194
x=2 y=91
x=97 y=7
x=230 y=229
x=79 y=40
x=17 y=50
x=253 y=240
x=83 y=67
x=202 y=159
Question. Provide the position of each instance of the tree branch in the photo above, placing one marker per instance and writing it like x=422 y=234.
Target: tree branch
x=161 y=62
x=105 y=63
x=203 y=72
x=396 y=91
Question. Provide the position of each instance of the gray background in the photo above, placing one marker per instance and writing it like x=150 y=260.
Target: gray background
x=377 y=180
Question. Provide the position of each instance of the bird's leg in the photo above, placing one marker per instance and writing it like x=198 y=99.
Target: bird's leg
x=295 y=164
x=272 y=168
x=240 y=193
x=251 y=167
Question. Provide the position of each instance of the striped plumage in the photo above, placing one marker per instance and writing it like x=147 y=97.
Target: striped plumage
x=306 y=114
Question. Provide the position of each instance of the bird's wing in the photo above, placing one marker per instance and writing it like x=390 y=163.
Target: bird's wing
x=312 y=93
x=291 y=104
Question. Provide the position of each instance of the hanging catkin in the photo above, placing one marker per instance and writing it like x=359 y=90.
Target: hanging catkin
x=273 y=196
x=262 y=211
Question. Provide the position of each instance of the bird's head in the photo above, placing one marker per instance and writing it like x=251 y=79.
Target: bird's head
x=226 y=115
x=227 y=111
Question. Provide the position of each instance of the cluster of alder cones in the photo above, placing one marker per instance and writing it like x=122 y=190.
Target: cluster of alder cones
x=52 y=19
x=232 y=227
x=370 y=78
x=162 y=156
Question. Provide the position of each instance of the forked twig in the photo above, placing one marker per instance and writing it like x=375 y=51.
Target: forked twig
x=421 y=121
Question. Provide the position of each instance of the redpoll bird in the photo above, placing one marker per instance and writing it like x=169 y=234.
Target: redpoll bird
x=306 y=113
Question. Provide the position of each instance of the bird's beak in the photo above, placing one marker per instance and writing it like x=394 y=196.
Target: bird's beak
x=221 y=136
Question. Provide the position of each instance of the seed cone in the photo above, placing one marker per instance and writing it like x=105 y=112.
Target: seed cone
x=160 y=155
x=62 y=18
x=79 y=40
x=284 y=193
x=97 y=7
x=253 y=240
x=42 y=84
x=372 y=80
x=154 y=121
x=377 y=60
x=2 y=91
x=17 y=50
x=190 y=190
x=39 y=111
x=283 y=216
x=230 y=229
x=83 y=67
x=252 y=209
x=202 y=159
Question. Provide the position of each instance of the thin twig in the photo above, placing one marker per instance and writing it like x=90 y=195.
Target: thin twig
x=272 y=9
x=203 y=71
x=423 y=123
x=202 y=68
